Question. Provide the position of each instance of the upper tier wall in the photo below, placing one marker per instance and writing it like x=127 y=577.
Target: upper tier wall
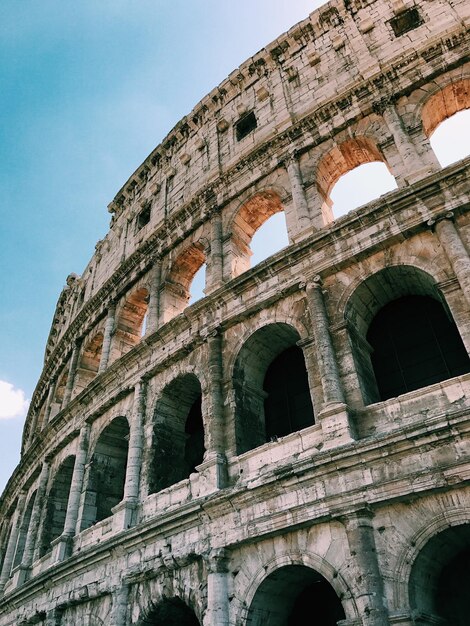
x=326 y=72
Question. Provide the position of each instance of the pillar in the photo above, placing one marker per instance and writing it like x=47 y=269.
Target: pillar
x=11 y=546
x=214 y=465
x=154 y=298
x=333 y=415
x=414 y=166
x=299 y=198
x=120 y=602
x=107 y=338
x=370 y=588
x=216 y=252
x=50 y=399
x=71 y=374
x=30 y=543
x=455 y=250
x=123 y=513
x=217 y=589
x=63 y=544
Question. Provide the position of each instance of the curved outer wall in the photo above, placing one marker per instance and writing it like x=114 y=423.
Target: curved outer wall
x=103 y=520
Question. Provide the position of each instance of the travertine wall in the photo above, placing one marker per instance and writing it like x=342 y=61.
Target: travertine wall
x=371 y=493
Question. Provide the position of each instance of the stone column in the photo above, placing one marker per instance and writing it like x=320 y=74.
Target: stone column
x=371 y=596
x=54 y=617
x=298 y=192
x=11 y=546
x=217 y=589
x=63 y=545
x=120 y=602
x=50 y=399
x=107 y=338
x=154 y=298
x=216 y=253
x=333 y=415
x=30 y=543
x=71 y=374
x=414 y=166
x=215 y=464
x=455 y=250
x=123 y=512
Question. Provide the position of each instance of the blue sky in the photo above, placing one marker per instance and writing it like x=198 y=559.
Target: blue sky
x=88 y=89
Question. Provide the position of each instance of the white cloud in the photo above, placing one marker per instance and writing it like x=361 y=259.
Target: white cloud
x=12 y=401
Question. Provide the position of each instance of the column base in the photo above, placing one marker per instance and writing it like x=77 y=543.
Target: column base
x=335 y=424
x=212 y=473
x=61 y=548
x=20 y=575
x=124 y=515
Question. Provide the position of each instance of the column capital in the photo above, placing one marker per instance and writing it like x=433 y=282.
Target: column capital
x=448 y=215
x=217 y=560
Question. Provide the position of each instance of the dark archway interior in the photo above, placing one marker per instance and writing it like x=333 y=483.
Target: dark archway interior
x=440 y=577
x=178 y=437
x=270 y=375
x=414 y=344
x=171 y=612
x=288 y=406
x=291 y=594
x=107 y=475
x=57 y=501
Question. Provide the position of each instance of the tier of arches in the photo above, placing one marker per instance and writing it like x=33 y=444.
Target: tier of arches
x=166 y=291
x=402 y=338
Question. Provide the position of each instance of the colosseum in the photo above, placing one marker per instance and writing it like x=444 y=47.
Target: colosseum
x=296 y=440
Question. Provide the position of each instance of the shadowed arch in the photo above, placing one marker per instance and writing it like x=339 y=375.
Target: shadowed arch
x=402 y=334
x=89 y=362
x=170 y=612
x=107 y=473
x=178 y=282
x=129 y=322
x=178 y=433
x=271 y=387
x=290 y=593
x=449 y=100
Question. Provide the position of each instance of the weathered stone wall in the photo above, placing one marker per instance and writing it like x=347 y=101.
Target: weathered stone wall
x=104 y=520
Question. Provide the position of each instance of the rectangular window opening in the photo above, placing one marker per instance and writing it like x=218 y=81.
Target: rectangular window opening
x=245 y=125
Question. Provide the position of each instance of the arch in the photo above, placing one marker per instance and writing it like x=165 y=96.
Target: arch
x=340 y=160
x=180 y=276
x=89 y=362
x=170 y=612
x=56 y=509
x=450 y=99
x=379 y=298
x=24 y=528
x=251 y=215
x=59 y=392
x=129 y=322
x=178 y=433
x=270 y=369
x=286 y=594
x=107 y=473
x=440 y=576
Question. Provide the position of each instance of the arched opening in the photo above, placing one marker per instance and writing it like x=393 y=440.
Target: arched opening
x=107 y=473
x=440 y=577
x=129 y=323
x=253 y=215
x=178 y=435
x=56 y=404
x=57 y=501
x=363 y=172
x=360 y=186
x=177 y=286
x=271 y=386
x=170 y=612
x=198 y=284
x=290 y=594
x=446 y=121
x=23 y=532
x=89 y=363
x=402 y=334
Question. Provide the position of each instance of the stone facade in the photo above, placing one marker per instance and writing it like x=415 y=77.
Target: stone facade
x=159 y=482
